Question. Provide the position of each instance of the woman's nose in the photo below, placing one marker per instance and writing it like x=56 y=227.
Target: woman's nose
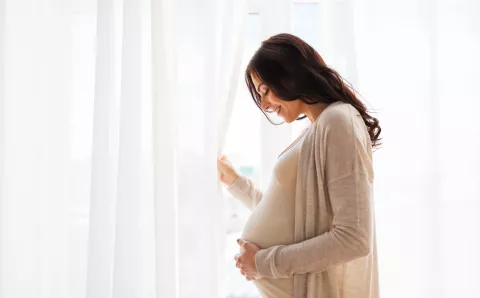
x=265 y=104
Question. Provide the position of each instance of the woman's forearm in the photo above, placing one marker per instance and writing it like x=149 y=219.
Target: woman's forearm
x=244 y=190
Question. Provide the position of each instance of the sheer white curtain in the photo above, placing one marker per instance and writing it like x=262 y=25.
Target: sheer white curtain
x=108 y=146
x=418 y=65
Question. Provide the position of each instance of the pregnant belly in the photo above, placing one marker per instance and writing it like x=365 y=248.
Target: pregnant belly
x=271 y=223
x=267 y=232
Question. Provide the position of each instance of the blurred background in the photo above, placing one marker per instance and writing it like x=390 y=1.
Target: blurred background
x=113 y=112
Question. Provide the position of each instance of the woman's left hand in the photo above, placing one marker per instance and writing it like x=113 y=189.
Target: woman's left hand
x=246 y=260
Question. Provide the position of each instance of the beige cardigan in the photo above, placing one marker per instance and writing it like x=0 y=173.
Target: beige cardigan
x=335 y=250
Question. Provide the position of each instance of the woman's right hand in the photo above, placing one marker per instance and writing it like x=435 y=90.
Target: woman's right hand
x=228 y=175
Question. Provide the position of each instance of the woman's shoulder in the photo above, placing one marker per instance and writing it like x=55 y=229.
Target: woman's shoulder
x=337 y=114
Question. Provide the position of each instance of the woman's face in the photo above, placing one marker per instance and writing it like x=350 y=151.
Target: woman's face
x=288 y=110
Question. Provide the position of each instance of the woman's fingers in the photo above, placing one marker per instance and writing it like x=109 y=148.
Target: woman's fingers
x=241 y=260
x=237 y=261
x=228 y=174
x=220 y=166
x=225 y=167
x=246 y=260
x=243 y=243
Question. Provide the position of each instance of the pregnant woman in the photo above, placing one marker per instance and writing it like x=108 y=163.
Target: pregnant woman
x=312 y=230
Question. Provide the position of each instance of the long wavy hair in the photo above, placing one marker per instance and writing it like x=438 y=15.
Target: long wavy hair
x=293 y=70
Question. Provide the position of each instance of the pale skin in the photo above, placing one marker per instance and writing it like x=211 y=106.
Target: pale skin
x=289 y=111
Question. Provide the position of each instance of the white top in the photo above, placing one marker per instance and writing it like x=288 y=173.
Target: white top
x=272 y=221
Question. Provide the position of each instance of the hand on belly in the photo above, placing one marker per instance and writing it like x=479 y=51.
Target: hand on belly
x=245 y=260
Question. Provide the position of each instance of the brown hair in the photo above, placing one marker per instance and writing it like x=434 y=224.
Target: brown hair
x=293 y=70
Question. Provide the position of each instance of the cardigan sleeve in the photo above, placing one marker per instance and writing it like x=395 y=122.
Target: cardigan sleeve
x=244 y=190
x=349 y=178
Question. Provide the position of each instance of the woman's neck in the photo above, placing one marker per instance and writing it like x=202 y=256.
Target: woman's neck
x=313 y=111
